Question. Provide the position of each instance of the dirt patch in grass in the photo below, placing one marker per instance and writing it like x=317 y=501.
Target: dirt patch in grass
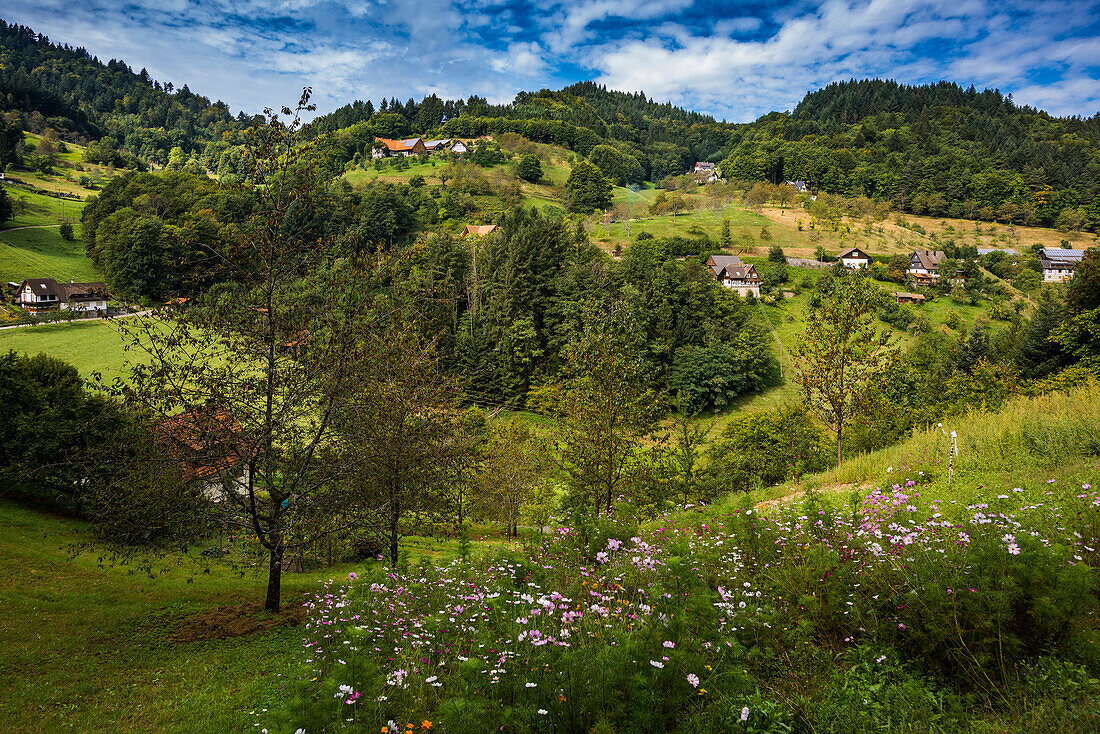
x=238 y=620
x=799 y=494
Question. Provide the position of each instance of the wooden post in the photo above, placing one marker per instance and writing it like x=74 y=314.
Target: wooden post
x=952 y=452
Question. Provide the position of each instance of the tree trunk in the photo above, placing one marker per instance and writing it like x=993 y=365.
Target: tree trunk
x=274 y=579
x=839 y=444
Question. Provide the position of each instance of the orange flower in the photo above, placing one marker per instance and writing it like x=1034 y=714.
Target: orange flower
x=385 y=730
x=426 y=725
x=561 y=697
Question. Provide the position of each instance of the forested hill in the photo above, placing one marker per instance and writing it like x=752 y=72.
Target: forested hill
x=50 y=85
x=664 y=140
x=934 y=149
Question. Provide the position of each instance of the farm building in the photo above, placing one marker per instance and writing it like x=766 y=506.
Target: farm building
x=1059 y=263
x=386 y=148
x=37 y=295
x=854 y=258
x=734 y=274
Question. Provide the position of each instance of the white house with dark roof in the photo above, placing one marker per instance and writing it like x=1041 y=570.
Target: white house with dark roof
x=734 y=274
x=1059 y=263
x=924 y=265
x=37 y=295
x=854 y=258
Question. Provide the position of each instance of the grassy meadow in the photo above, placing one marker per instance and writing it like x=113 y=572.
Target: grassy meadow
x=886 y=603
x=165 y=643
x=90 y=346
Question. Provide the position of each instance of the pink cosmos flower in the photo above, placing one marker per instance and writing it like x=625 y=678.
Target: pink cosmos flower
x=693 y=680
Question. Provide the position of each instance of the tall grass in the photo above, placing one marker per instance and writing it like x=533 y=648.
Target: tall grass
x=1035 y=437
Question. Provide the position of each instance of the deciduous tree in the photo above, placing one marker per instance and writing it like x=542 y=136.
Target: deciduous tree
x=840 y=351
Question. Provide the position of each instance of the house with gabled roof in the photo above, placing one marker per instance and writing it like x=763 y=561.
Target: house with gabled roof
x=437 y=146
x=924 y=265
x=1059 y=263
x=38 y=295
x=854 y=258
x=209 y=451
x=386 y=148
x=799 y=186
x=477 y=230
x=735 y=275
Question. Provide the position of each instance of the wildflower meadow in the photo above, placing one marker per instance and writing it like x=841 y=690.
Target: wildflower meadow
x=876 y=611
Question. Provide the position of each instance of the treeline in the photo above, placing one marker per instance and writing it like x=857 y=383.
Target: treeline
x=507 y=306
x=661 y=140
x=45 y=85
x=500 y=309
x=933 y=149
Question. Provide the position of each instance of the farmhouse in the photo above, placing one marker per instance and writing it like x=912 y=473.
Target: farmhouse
x=903 y=297
x=37 y=295
x=437 y=146
x=388 y=148
x=924 y=265
x=1058 y=263
x=477 y=230
x=209 y=452
x=459 y=147
x=799 y=186
x=854 y=258
x=734 y=274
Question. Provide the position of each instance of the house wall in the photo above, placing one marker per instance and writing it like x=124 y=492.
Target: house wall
x=85 y=306
x=742 y=287
x=1057 y=275
x=854 y=262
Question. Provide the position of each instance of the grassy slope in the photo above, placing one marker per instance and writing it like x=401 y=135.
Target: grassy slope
x=87 y=649
x=90 y=648
x=1032 y=440
x=31 y=245
x=90 y=346
x=42 y=252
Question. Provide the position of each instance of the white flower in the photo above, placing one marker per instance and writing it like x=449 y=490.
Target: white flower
x=431 y=679
x=656 y=663
x=693 y=680
x=543 y=712
x=531 y=685
x=745 y=714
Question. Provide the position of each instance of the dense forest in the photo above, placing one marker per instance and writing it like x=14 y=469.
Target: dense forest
x=46 y=85
x=933 y=149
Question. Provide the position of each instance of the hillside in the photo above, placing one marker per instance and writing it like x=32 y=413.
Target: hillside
x=49 y=85
x=936 y=149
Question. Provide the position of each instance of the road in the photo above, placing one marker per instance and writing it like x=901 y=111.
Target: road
x=79 y=321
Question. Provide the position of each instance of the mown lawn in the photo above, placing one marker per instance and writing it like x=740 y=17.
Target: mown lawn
x=41 y=252
x=90 y=346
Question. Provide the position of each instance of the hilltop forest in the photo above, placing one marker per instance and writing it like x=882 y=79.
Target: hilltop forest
x=937 y=149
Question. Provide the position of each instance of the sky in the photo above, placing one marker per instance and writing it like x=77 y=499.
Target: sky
x=733 y=60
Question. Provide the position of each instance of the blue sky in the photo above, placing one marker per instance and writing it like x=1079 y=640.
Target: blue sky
x=734 y=60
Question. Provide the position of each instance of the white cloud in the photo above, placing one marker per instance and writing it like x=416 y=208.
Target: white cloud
x=255 y=53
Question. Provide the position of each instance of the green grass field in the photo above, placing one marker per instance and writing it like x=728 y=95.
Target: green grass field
x=41 y=252
x=1031 y=441
x=90 y=346
x=93 y=646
